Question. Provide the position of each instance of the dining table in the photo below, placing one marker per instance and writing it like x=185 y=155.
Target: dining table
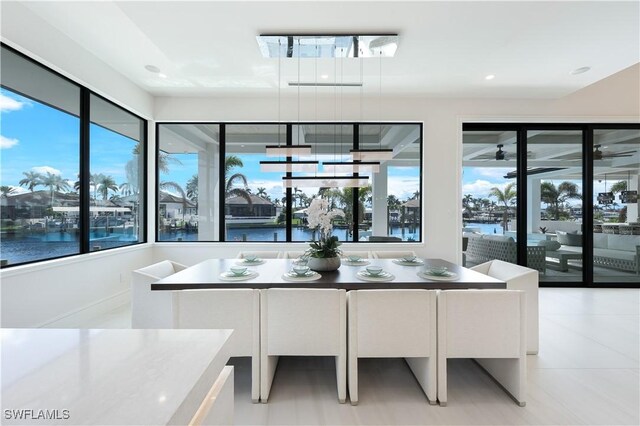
x=270 y=273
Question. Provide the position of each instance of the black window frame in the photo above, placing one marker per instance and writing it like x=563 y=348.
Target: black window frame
x=84 y=162
x=587 y=129
x=289 y=195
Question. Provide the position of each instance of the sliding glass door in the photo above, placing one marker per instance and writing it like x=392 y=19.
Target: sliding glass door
x=616 y=222
x=573 y=211
x=554 y=204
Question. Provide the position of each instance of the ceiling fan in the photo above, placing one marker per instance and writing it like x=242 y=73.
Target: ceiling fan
x=599 y=155
x=500 y=155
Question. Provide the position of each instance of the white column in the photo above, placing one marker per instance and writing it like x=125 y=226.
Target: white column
x=533 y=205
x=208 y=193
x=379 y=201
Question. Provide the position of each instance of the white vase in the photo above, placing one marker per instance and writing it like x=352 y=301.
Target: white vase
x=324 y=264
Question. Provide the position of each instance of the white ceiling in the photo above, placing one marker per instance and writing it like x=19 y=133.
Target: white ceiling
x=446 y=48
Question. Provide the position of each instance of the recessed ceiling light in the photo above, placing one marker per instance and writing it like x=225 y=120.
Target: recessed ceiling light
x=490 y=77
x=580 y=70
x=152 y=68
x=161 y=75
x=325 y=76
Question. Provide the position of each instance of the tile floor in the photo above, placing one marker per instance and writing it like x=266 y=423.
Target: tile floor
x=587 y=372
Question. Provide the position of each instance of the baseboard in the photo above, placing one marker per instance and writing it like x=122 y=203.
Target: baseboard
x=75 y=319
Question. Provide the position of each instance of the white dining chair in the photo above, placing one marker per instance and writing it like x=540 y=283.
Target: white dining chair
x=387 y=254
x=303 y=322
x=488 y=326
x=267 y=254
x=152 y=309
x=362 y=254
x=237 y=309
x=293 y=254
x=519 y=278
x=393 y=324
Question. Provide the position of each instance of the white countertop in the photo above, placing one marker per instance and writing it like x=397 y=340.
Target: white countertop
x=109 y=377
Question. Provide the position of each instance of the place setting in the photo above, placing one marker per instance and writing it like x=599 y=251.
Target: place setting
x=238 y=273
x=374 y=273
x=410 y=260
x=355 y=260
x=301 y=273
x=250 y=260
x=437 y=273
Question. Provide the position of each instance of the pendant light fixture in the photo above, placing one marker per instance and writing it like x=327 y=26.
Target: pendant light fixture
x=286 y=150
x=379 y=154
x=356 y=166
x=328 y=181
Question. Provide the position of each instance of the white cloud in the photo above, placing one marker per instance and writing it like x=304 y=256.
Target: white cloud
x=17 y=190
x=45 y=169
x=493 y=172
x=402 y=187
x=481 y=188
x=8 y=104
x=6 y=143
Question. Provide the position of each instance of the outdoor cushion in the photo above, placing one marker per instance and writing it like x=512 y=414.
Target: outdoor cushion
x=601 y=241
x=569 y=238
x=550 y=245
x=615 y=254
x=498 y=238
x=624 y=242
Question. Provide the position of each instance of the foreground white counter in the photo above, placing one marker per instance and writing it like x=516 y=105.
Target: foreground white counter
x=112 y=377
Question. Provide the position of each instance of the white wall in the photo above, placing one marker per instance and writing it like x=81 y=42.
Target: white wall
x=615 y=99
x=64 y=292
x=59 y=52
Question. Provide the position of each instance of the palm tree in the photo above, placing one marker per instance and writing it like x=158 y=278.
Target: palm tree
x=127 y=188
x=556 y=197
x=106 y=183
x=5 y=191
x=54 y=183
x=392 y=204
x=262 y=192
x=192 y=188
x=31 y=180
x=230 y=163
x=467 y=200
x=619 y=186
x=506 y=197
x=164 y=159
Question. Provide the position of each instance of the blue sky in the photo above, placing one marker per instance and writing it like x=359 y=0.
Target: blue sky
x=35 y=137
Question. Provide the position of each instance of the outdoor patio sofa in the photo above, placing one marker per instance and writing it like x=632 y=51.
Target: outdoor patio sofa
x=483 y=248
x=613 y=251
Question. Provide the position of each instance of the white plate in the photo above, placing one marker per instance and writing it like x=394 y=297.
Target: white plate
x=230 y=276
x=384 y=276
x=451 y=276
x=360 y=262
x=309 y=276
x=245 y=262
x=417 y=262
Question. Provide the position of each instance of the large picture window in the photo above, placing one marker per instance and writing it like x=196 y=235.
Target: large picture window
x=259 y=206
x=43 y=215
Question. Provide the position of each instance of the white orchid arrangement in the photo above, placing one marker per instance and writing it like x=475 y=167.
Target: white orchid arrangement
x=320 y=218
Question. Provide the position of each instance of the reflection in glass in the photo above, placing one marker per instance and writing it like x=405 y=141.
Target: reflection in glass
x=489 y=194
x=616 y=221
x=188 y=193
x=117 y=176
x=40 y=164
